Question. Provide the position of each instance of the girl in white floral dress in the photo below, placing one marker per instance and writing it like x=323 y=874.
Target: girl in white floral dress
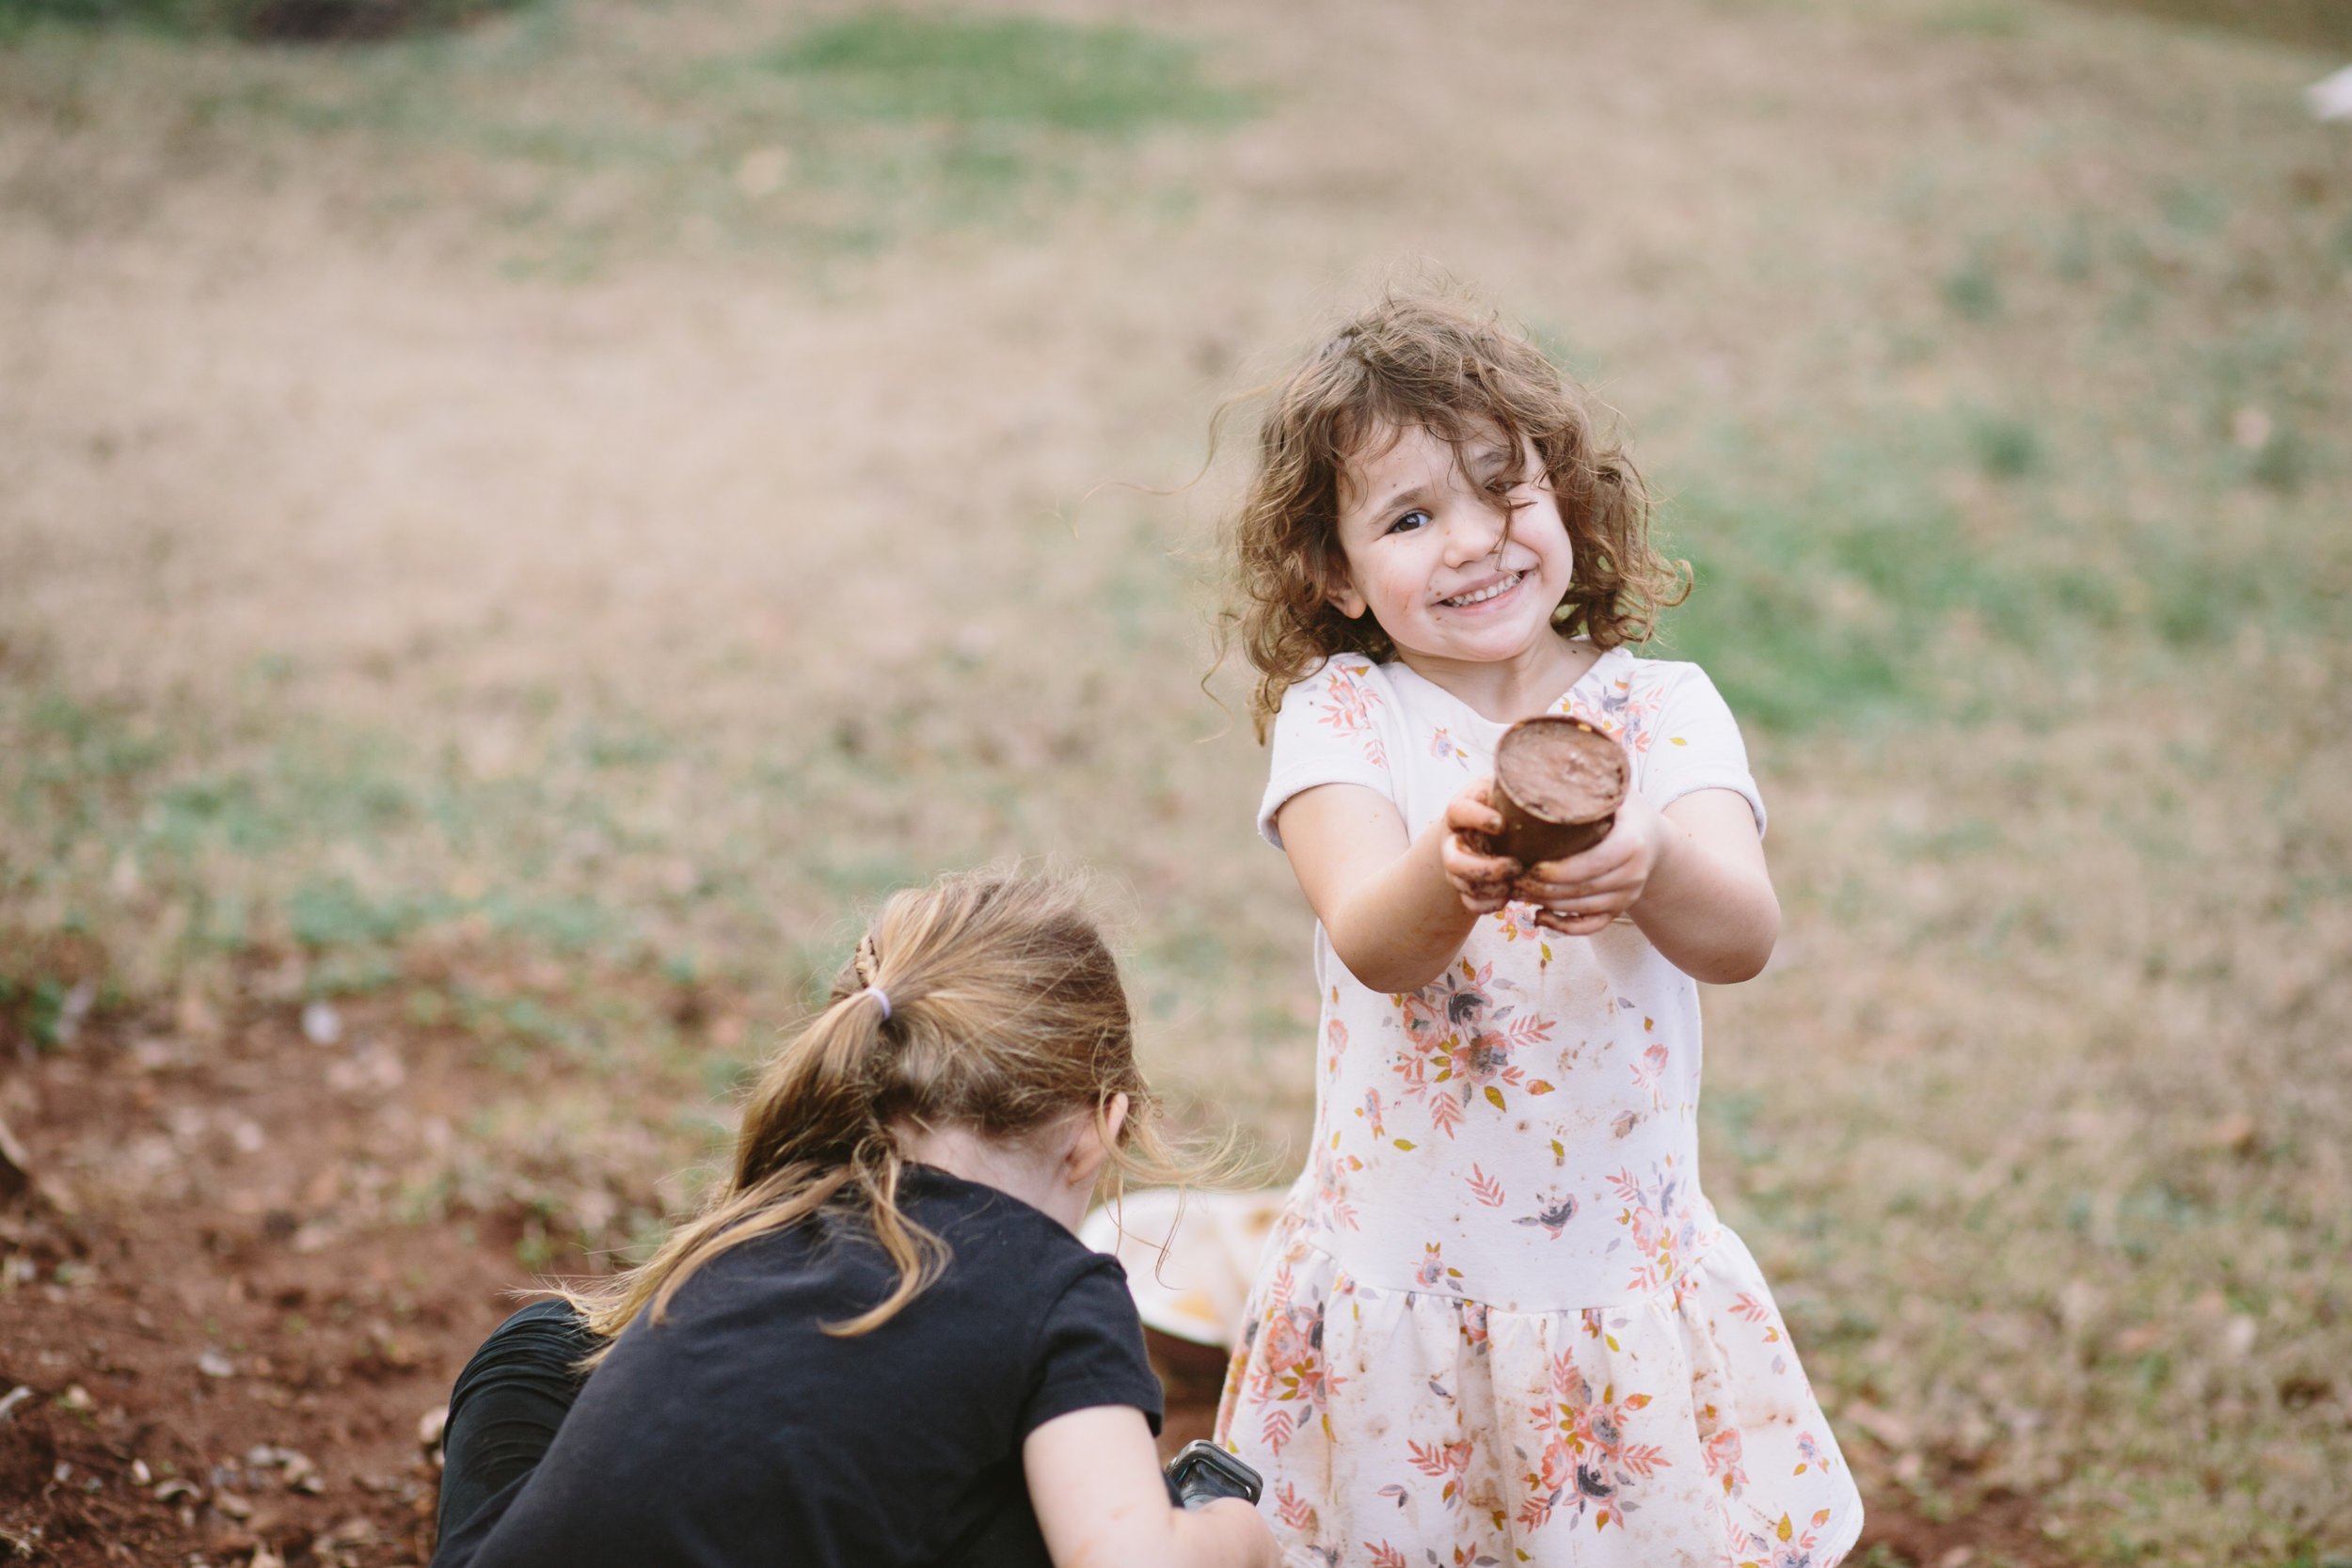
x=1499 y=1322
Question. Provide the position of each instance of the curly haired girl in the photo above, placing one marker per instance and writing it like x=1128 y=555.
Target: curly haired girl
x=1499 y=1322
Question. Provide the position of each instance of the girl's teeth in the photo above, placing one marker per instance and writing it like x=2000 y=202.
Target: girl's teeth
x=1485 y=593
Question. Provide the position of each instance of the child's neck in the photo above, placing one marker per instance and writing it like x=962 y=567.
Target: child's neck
x=1509 y=689
x=1038 y=1177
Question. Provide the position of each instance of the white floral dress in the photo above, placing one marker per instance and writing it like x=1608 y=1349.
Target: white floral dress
x=1498 y=1323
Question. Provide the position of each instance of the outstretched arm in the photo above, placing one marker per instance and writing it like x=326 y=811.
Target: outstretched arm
x=1396 y=908
x=1094 y=1479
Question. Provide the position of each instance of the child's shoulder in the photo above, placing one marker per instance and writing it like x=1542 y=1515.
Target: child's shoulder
x=1357 y=683
x=1629 y=674
x=1646 y=701
x=1344 y=666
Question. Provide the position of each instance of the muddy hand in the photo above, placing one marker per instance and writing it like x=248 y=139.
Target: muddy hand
x=1484 y=880
x=1583 y=893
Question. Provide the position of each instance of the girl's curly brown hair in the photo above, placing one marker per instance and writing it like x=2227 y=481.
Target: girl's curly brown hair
x=1412 y=362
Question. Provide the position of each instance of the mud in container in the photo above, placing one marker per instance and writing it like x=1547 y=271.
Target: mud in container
x=1558 y=784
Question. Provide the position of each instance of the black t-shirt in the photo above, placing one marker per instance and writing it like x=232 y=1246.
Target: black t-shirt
x=736 y=1432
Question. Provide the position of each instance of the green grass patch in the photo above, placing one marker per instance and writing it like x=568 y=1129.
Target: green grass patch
x=2005 y=447
x=1928 y=566
x=144 y=845
x=1973 y=290
x=1103 y=79
x=580 y=147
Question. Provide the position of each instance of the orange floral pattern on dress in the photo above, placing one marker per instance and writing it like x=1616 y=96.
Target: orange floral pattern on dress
x=1591 y=1466
x=1288 y=1373
x=1462 y=1042
x=1664 y=1228
x=1781 y=1544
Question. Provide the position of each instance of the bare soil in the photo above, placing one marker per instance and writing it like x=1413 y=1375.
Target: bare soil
x=224 y=1375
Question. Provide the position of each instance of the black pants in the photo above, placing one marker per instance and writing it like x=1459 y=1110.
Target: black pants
x=508 y=1403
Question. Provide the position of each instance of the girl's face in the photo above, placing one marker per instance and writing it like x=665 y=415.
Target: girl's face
x=1424 y=540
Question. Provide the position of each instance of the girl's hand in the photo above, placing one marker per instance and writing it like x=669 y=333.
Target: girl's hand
x=1692 y=876
x=1583 y=893
x=1483 y=881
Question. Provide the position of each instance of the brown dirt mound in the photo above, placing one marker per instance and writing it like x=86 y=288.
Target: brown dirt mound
x=216 y=1373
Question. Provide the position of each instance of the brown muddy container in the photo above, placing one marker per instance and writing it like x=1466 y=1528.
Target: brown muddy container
x=1558 y=784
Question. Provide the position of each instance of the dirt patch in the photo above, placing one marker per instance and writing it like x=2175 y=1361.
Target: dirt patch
x=216 y=1372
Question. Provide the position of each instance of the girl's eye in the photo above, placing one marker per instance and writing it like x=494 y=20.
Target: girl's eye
x=1410 y=521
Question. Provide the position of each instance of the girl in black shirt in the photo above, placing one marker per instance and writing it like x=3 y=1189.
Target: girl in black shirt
x=882 y=1343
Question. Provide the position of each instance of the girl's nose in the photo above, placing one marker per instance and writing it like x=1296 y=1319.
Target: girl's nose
x=1473 y=534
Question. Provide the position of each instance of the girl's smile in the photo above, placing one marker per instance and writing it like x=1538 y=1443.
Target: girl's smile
x=1487 y=595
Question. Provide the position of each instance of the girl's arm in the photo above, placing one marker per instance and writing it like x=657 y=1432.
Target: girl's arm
x=1396 y=908
x=1693 y=876
x=1094 y=1479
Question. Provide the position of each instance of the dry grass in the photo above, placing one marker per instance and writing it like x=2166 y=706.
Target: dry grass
x=541 y=524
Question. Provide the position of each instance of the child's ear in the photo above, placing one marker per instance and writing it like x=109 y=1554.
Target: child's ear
x=1338 y=592
x=1090 y=1141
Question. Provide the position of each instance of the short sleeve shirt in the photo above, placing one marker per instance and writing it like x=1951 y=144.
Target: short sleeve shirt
x=738 y=1432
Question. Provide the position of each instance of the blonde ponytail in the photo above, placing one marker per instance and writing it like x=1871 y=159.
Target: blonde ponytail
x=988 y=1000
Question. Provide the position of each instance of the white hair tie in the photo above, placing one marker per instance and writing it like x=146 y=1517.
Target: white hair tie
x=881 y=996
